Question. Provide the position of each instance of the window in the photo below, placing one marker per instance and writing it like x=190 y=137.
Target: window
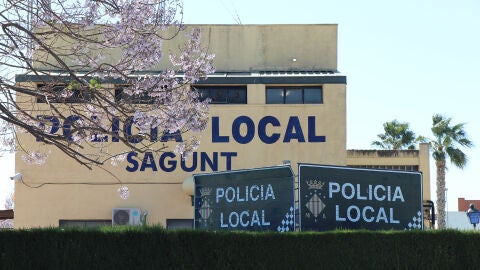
x=133 y=99
x=223 y=94
x=294 y=95
x=85 y=223
x=56 y=93
x=179 y=224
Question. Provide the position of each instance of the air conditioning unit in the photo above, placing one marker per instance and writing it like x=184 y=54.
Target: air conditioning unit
x=126 y=216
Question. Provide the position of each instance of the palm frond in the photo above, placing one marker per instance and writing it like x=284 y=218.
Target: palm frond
x=457 y=157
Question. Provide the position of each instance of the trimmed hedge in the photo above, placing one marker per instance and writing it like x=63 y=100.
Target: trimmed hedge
x=156 y=248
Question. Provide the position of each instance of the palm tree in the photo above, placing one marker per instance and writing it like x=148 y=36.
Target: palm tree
x=397 y=136
x=448 y=138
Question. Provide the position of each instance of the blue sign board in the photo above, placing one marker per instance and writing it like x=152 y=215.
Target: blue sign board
x=253 y=200
x=332 y=197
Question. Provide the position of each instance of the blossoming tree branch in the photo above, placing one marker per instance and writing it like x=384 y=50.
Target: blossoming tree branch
x=94 y=64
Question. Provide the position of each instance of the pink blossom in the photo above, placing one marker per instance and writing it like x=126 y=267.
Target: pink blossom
x=123 y=192
x=83 y=41
x=35 y=158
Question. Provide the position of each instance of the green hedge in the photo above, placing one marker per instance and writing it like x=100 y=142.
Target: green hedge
x=155 y=248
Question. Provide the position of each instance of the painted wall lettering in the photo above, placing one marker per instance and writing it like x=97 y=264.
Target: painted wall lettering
x=169 y=161
x=242 y=130
x=293 y=130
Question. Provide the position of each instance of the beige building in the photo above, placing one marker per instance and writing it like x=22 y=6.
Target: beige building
x=404 y=160
x=276 y=95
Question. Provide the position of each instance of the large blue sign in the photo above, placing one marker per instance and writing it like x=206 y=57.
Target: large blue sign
x=254 y=200
x=350 y=198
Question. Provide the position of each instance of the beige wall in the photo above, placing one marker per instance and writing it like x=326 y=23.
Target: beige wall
x=254 y=47
x=272 y=47
x=58 y=197
x=424 y=167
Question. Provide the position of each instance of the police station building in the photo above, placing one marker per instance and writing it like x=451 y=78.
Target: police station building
x=277 y=96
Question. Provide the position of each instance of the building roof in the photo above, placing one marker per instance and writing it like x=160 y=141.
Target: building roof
x=254 y=77
x=464 y=205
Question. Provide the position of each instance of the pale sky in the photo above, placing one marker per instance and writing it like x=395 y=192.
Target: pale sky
x=404 y=60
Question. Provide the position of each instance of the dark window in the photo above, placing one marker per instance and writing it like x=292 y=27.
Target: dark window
x=57 y=93
x=312 y=96
x=275 y=96
x=179 y=224
x=85 y=223
x=223 y=94
x=294 y=95
x=142 y=98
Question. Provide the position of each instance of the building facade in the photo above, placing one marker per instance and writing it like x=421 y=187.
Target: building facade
x=276 y=96
x=262 y=67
